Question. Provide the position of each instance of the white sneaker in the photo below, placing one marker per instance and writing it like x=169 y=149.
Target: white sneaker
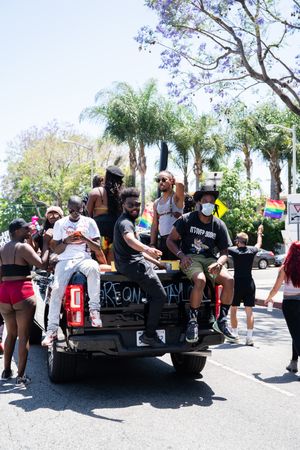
x=249 y=342
x=50 y=337
x=95 y=318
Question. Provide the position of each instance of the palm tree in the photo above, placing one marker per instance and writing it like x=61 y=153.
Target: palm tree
x=135 y=117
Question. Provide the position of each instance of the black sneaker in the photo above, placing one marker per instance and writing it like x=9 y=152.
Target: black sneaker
x=221 y=327
x=152 y=341
x=23 y=381
x=191 y=334
x=7 y=374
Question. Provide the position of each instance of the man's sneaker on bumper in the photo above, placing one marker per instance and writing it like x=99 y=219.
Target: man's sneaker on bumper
x=221 y=327
x=50 y=337
x=191 y=334
x=95 y=318
x=152 y=341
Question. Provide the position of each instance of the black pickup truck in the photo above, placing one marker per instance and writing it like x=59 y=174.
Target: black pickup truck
x=124 y=309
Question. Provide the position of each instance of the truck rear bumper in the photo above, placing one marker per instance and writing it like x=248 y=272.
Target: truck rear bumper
x=111 y=344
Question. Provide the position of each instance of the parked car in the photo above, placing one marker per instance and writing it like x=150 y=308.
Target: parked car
x=279 y=259
x=262 y=259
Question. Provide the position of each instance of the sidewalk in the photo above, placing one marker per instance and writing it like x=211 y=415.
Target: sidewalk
x=261 y=295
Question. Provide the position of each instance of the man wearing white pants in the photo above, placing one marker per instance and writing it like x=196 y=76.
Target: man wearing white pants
x=74 y=237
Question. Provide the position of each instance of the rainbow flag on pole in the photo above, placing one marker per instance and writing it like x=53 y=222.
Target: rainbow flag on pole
x=274 y=209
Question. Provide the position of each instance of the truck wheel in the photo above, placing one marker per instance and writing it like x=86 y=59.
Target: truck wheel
x=61 y=366
x=188 y=364
x=35 y=335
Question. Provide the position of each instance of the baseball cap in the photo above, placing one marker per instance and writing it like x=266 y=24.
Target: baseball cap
x=17 y=224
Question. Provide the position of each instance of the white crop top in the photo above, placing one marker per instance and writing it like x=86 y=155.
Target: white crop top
x=290 y=289
x=168 y=213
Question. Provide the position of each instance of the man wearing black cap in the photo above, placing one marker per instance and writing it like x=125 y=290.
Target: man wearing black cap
x=200 y=233
x=104 y=207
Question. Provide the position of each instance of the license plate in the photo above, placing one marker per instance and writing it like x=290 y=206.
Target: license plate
x=161 y=335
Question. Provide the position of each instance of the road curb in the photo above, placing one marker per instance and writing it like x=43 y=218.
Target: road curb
x=260 y=302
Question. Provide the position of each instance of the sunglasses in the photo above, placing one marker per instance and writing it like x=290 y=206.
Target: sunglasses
x=163 y=179
x=132 y=205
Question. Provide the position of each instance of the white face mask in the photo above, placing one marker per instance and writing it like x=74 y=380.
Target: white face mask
x=207 y=209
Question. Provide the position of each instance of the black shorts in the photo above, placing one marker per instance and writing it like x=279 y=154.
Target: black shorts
x=244 y=292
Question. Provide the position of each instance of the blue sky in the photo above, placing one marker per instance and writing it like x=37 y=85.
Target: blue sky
x=57 y=54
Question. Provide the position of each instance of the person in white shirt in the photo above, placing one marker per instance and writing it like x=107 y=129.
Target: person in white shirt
x=74 y=237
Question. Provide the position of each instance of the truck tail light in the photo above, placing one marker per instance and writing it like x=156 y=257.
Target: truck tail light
x=74 y=305
x=218 y=290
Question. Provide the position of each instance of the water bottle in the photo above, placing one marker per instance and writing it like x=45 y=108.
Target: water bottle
x=270 y=306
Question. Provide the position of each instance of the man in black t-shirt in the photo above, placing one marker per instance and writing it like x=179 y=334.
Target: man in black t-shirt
x=244 y=286
x=132 y=259
x=200 y=233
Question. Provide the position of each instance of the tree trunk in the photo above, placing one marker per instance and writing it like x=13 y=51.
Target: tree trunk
x=132 y=163
x=142 y=167
x=275 y=171
x=248 y=163
x=185 y=180
x=197 y=169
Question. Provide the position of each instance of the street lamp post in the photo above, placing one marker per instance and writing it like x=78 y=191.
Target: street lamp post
x=292 y=130
x=90 y=148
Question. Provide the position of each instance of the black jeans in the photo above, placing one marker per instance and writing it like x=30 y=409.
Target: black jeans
x=291 y=312
x=143 y=274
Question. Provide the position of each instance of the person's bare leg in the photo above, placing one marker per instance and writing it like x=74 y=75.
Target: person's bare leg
x=196 y=296
x=233 y=317
x=250 y=317
x=12 y=332
x=24 y=316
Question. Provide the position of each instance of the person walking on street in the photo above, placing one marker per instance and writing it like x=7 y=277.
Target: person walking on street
x=17 y=301
x=166 y=210
x=289 y=274
x=131 y=260
x=244 y=286
x=74 y=237
x=200 y=233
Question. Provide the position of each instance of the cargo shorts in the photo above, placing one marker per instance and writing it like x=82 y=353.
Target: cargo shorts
x=199 y=264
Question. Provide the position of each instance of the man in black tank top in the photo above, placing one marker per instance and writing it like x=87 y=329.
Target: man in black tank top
x=244 y=286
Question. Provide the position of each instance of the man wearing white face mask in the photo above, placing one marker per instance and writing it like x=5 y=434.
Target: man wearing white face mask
x=200 y=233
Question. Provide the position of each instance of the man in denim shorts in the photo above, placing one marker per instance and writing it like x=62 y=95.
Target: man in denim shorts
x=200 y=233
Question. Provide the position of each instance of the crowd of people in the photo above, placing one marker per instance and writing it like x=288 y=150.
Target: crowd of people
x=104 y=230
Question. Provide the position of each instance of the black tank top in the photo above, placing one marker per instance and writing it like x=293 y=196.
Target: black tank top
x=15 y=270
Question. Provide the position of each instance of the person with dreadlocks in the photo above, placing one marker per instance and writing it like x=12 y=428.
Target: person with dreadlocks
x=104 y=207
x=289 y=274
x=199 y=233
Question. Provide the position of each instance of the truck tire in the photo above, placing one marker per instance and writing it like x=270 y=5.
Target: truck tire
x=35 y=335
x=188 y=364
x=61 y=366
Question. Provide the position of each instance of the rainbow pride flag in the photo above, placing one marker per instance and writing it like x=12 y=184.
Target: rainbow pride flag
x=146 y=219
x=274 y=209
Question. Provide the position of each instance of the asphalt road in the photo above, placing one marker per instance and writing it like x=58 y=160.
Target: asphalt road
x=246 y=399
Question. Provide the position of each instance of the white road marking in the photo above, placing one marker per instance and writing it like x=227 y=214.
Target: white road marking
x=248 y=377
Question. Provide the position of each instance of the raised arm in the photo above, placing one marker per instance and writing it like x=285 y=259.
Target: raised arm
x=260 y=230
x=32 y=258
x=179 y=193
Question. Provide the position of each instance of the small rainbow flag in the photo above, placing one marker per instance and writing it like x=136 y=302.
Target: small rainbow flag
x=274 y=209
x=146 y=219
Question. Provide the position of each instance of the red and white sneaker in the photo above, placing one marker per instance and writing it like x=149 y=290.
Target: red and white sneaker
x=50 y=337
x=95 y=318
